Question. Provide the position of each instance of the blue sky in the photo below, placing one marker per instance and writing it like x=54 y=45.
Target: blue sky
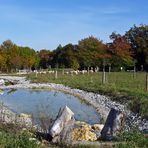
x=48 y=23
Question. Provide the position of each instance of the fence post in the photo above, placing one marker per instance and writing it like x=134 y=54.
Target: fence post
x=134 y=75
x=72 y=73
x=109 y=69
x=103 y=75
x=146 y=82
x=56 y=74
x=88 y=70
x=36 y=74
x=103 y=72
x=63 y=72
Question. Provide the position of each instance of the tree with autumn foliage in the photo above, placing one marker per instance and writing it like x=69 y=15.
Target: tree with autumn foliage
x=126 y=51
x=120 y=51
x=13 y=57
x=45 y=58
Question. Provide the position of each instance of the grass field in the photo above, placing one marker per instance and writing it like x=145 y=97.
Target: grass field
x=120 y=86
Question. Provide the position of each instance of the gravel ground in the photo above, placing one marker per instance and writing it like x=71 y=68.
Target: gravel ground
x=102 y=103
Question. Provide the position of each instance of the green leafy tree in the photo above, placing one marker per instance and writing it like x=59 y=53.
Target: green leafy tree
x=91 y=52
x=138 y=38
x=6 y=47
x=66 y=56
x=29 y=57
x=2 y=60
x=74 y=64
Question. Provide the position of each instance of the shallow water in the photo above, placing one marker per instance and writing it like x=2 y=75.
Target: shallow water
x=47 y=102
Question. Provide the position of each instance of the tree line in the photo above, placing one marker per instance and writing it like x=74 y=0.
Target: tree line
x=127 y=51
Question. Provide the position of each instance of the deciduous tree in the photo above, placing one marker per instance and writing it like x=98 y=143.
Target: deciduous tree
x=138 y=38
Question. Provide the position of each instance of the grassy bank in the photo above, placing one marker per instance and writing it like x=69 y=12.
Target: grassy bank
x=120 y=86
x=12 y=136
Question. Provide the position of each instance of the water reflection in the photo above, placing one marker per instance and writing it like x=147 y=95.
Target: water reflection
x=49 y=102
x=11 y=91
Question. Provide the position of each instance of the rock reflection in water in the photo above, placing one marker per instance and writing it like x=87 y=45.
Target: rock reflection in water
x=47 y=102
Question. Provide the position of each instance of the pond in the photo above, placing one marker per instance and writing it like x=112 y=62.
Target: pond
x=34 y=102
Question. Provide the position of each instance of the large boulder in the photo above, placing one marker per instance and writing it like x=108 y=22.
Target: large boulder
x=113 y=124
x=63 y=125
x=7 y=116
x=2 y=82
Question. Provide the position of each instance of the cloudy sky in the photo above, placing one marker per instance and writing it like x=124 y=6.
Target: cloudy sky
x=48 y=23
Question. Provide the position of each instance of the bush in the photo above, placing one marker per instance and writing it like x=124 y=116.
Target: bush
x=133 y=139
x=13 y=136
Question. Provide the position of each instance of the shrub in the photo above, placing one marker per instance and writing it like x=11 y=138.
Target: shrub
x=133 y=139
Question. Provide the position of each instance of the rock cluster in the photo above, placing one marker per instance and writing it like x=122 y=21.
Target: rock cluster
x=83 y=133
x=67 y=129
x=86 y=132
x=7 y=116
x=25 y=119
x=113 y=126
